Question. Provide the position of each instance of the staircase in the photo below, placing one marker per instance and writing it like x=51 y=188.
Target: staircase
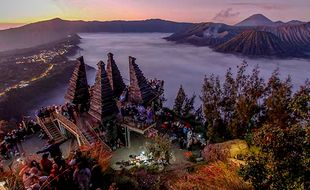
x=79 y=129
x=51 y=130
x=54 y=131
x=90 y=135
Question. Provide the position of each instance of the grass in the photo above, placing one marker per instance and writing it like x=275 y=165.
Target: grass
x=215 y=176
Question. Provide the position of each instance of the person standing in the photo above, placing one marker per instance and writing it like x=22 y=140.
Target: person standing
x=46 y=164
x=53 y=149
x=82 y=176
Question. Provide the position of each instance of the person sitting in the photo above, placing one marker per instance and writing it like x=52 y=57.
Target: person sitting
x=46 y=164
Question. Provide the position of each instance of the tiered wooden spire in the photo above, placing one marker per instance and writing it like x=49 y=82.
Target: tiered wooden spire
x=102 y=103
x=114 y=75
x=140 y=90
x=77 y=92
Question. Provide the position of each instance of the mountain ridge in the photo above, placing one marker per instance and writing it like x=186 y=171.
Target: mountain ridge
x=257 y=43
x=293 y=36
x=43 y=32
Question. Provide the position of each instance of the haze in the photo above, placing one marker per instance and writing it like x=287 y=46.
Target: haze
x=177 y=64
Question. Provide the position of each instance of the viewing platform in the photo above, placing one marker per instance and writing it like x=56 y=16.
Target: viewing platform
x=94 y=114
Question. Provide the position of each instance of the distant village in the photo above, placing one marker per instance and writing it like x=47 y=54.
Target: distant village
x=37 y=62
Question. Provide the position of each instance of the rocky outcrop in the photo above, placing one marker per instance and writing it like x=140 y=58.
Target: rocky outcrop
x=223 y=151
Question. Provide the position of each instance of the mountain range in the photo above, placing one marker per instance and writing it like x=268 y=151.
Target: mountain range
x=254 y=36
x=51 y=30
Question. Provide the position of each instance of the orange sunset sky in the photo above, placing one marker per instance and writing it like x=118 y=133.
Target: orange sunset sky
x=227 y=11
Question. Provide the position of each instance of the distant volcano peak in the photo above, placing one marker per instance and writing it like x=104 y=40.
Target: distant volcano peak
x=256 y=20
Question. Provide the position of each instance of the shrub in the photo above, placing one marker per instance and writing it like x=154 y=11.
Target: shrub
x=216 y=176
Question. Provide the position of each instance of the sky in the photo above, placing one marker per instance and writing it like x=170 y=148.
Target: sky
x=226 y=11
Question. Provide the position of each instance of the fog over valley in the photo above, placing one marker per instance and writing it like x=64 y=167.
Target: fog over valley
x=178 y=64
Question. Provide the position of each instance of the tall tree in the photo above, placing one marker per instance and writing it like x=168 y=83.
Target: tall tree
x=188 y=107
x=283 y=141
x=179 y=101
x=235 y=104
x=247 y=104
x=211 y=98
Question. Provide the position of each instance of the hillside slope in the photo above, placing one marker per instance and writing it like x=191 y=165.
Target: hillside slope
x=47 y=31
x=205 y=34
x=267 y=38
x=256 y=43
x=297 y=35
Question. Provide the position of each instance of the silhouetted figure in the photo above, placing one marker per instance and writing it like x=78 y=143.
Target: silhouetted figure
x=53 y=149
x=46 y=164
x=96 y=177
x=81 y=176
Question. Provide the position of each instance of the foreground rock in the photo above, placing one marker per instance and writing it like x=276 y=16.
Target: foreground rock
x=226 y=150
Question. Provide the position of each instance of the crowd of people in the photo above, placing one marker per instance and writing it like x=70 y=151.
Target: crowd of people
x=66 y=110
x=180 y=131
x=138 y=114
x=156 y=84
x=46 y=112
x=52 y=172
x=11 y=145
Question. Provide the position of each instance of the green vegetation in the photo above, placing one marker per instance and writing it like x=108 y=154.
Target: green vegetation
x=269 y=117
x=159 y=149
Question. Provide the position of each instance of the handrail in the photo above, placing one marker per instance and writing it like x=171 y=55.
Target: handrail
x=77 y=131
x=71 y=127
x=41 y=123
x=98 y=137
x=58 y=130
x=67 y=123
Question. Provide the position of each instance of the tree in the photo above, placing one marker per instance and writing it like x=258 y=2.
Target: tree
x=159 y=149
x=300 y=104
x=229 y=97
x=283 y=140
x=247 y=107
x=211 y=98
x=233 y=108
x=188 y=105
x=179 y=101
